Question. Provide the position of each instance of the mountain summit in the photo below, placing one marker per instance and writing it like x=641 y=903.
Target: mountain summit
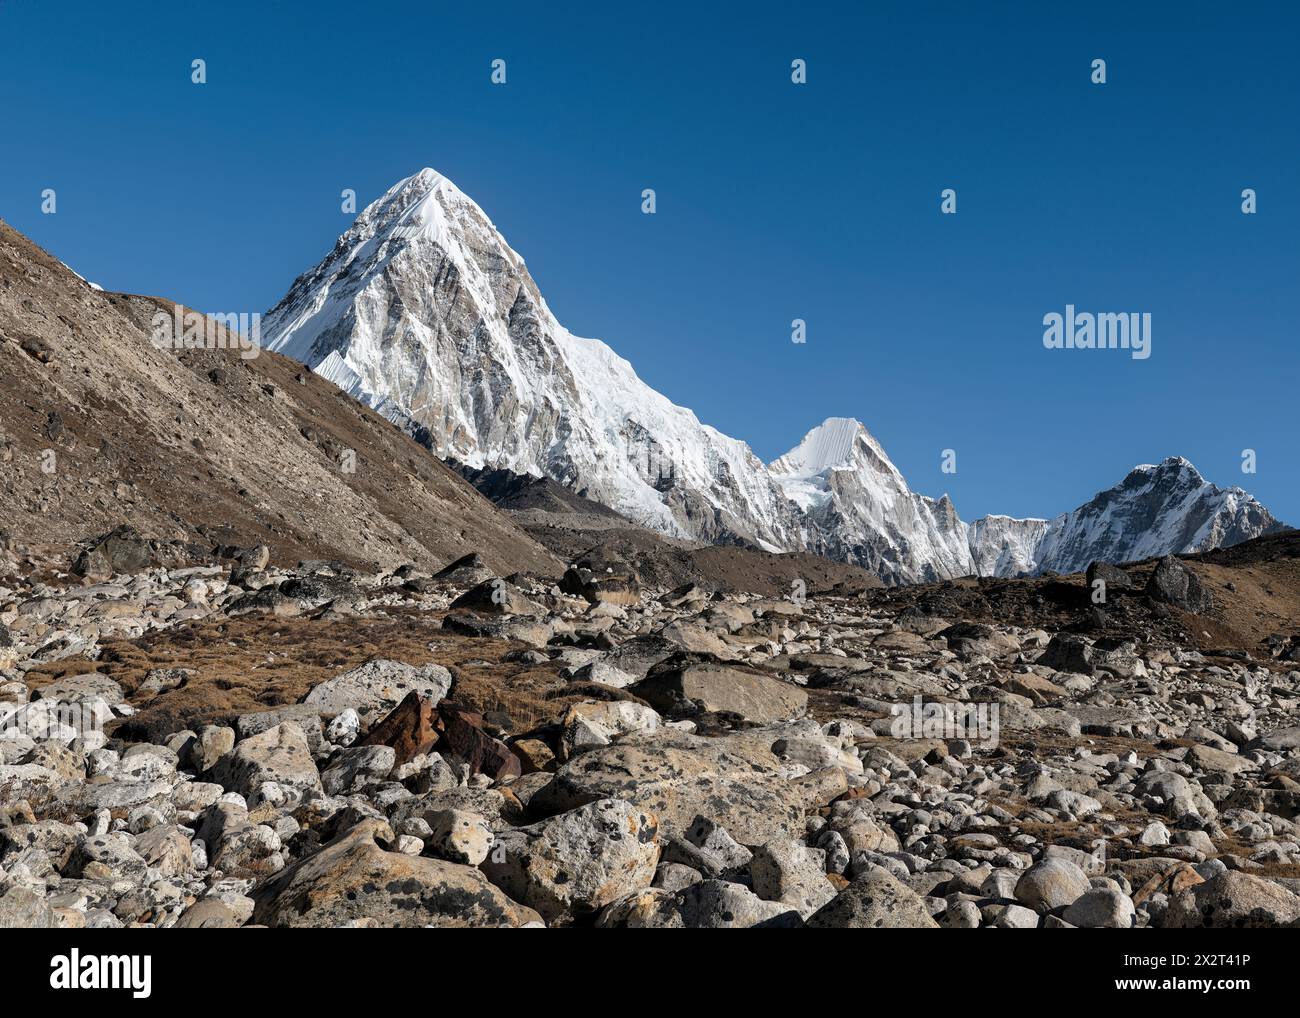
x=423 y=311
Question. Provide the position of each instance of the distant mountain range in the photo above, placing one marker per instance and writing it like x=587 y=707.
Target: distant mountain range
x=423 y=311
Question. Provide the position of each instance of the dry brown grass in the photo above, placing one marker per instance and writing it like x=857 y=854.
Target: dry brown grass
x=253 y=663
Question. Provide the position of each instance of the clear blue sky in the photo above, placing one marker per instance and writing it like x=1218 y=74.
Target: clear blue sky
x=775 y=202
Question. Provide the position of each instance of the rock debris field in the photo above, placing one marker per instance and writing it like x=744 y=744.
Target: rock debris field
x=231 y=743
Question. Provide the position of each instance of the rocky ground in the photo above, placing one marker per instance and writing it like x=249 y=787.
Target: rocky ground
x=231 y=744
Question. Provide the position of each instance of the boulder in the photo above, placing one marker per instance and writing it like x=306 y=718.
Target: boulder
x=352 y=769
x=875 y=900
x=707 y=848
x=459 y=836
x=703 y=905
x=410 y=728
x=1174 y=583
x=375 y=688
x=1114 y=577
x=1102 y=907
x=789 y=872
x=681 y=687
x=497 y=597
x=1051 y=883
x=679 y=778
x=596 y=723
x=1235 y=900
x=610 y=585
x=463 y=737
x=1068 y=652
x=355 y=878
x=24 y=909
x=280 y=754
x=579 y=862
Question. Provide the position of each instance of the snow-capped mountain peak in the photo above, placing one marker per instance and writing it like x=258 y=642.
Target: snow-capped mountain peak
x=1157 y=509
x=424 y=311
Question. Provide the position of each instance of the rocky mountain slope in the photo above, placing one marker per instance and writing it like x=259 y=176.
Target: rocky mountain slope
x=98 y=427
x=423 y=311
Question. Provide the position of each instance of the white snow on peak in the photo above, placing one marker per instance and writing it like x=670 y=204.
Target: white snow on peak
x=828 y=445
x=423 y=311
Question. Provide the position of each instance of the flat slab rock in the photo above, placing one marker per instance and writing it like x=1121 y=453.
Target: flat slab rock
x=677 y=689
x=376 y=687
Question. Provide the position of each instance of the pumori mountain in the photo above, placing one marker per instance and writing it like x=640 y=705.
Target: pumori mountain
x=423 y=311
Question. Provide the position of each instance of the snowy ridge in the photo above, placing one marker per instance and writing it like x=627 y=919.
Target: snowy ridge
x=423 y=311
x=1155 y=510
x=436 y=320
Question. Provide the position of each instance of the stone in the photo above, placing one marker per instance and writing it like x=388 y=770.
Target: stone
x=1114 y=577
x=1050 y=884
x=86 y=686
x=875 y=900
x=167 y=849
x=463 y=737
x=250 y=851
x=578 y=862
x=163 y=680
x=789 y=872
x=961 y=915
x=703 y=905
x=23 y=909
x=354 y=877
x=604 y=673
x=411 y=728
x=122 y=550
x=376 y=687
x=207 y=914
x=346 y=726
x=1068 y=652
x=1174 y=583
x=602 y=586
x=280 y=754
x=1234 y=900
x=534 y=755
x=589 y=724
x=682 y=688
x=679 y=778
x=1102 y=907
x=1016 y=917
x=497 y=597
x=707 y=847
x=106 y=856
x=352 y=769
x=459 y=836
x=210 y=744
x=673 y=876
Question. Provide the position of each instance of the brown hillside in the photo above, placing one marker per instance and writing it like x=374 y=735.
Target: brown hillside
x=202 y=445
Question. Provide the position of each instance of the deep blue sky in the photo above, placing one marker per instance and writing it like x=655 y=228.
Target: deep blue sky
x=776 y=202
